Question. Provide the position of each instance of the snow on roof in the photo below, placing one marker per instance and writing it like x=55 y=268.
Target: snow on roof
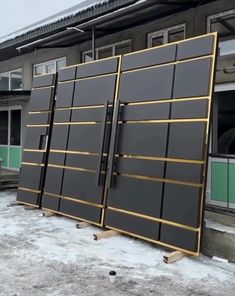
x=65 y=14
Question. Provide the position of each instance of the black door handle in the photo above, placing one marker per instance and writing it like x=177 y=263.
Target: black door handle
x=113 y=143
x=102 y=145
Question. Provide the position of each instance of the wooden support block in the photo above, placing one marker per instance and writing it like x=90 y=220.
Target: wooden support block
x=48 y=214
x=174 y=257
x=30 y=208
x=81 y=225
x=105 y=234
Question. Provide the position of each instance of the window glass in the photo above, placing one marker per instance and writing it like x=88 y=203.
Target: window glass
x=224 y=126
x=16 y=79
x=176 y=35
x=15 y=127
x=50 y=67
x=157 y=41
x=38 y=70
x=105 y=53
x=4 y=127
x=223 y=23
x=122 y=48
x=4 y=81
x=60 y=64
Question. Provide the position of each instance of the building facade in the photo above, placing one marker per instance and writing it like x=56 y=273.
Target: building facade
x=99 y=29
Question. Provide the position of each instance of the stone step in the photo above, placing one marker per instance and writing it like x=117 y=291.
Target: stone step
x=219 y=236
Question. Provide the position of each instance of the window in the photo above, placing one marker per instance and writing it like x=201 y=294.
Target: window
x=15 y=133
x=3 y=127
x=118 y=48
x=223 y=23
x=11 y=80
x=167 y=35
x=49 y=66
x=223 y=122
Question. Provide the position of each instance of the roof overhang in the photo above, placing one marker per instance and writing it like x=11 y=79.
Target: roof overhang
x=128 y=14
x=14 y=96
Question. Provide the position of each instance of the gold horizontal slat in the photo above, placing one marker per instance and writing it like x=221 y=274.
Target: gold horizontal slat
x=43 y=87
x=153 y=241
x=33 y=164
x=87 y=78
x=70 y=216
x=74 y=199
x=27 y=204
x=38 y=112
x=178 y=160
x=164 y=121
x=80 y=108
x=159 y=220
x=28 y=189
x=163 y=101
x=77 y=123
x=140 y=177
x=74 y=152
x=34 y=150
x=37 y=125
x=71 y=168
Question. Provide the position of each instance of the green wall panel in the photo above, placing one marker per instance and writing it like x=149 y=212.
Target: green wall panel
x=219 y=181
x=15 y=157
x=4 y=155
x=232 y=182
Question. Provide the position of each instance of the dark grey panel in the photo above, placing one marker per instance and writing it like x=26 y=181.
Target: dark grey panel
x=81 y=211
x=44 y=80
x=27 y=197
x=41 y=99
x=179 y=237
x=81 y=185
x=50 y=202
x=187 y=172
x=82 y=161
x=181 y=204
x=67 y=73
x=62 y=115
x=94 y=91
x=98 y=68
x=186 y=140
x=143 y=139
x=34 y=137
x=142 y=167
x=39 y=118
x=189 y=109
x=53 y=180
x=93 y=114
x=150 y=57
x=195 y=47
x=30 y=177
x=59 y=137
x=135 y=195
x=147 y=85
x=192 y=78
x=36 y=157
x=79 y=141
x=136 y=225
x=146 y=112
x=56 y=158
x=65 y=94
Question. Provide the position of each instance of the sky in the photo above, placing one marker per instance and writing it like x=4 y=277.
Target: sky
x=16 y=14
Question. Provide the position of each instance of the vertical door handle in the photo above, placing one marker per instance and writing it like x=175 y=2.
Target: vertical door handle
x=113 y=143
x=102 y=145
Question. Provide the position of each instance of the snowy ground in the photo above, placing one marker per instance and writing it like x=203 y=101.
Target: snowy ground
x=49 y=256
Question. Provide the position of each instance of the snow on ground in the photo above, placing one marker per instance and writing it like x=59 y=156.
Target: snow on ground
x=49 y=256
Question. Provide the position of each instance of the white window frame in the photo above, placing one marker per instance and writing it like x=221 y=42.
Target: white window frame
x=164 y=33
x=45 y=63
x=112 y=45
x=9 y=77
x=215 y=16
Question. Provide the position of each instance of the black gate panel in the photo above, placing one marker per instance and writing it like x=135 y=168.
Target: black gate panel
x=36 y=141
x=158 y=147
x=80 y=140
